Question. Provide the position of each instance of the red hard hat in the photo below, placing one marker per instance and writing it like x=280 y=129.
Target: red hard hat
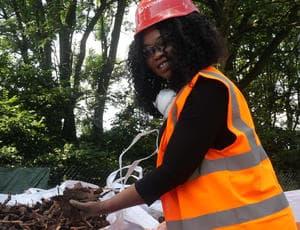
x=150 y=12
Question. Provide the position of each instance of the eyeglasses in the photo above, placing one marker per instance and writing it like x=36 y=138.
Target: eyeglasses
x=149 y=51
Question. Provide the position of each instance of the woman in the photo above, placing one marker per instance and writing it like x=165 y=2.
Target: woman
x=212 y=171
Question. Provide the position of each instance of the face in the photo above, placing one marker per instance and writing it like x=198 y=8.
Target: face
x=156 y=52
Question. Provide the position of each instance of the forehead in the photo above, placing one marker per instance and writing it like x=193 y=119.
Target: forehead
x=150 y=36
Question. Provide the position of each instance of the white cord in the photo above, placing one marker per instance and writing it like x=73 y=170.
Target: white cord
x=136 y=162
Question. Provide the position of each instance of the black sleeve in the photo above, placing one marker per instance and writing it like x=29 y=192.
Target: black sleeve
x=201 y=119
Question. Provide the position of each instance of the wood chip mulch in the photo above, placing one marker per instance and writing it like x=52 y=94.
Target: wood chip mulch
x=53 y=214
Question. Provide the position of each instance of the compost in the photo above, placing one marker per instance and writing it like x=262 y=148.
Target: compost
x=53 y=214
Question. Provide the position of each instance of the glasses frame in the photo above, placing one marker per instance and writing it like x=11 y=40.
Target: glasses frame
x=149 y=51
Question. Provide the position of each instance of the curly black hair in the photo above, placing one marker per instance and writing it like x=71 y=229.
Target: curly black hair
x=196 y=44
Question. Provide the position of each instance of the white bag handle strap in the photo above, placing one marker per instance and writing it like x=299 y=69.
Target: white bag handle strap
x=136 y=162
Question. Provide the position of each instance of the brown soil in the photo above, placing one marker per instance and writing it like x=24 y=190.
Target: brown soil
x=54 y=214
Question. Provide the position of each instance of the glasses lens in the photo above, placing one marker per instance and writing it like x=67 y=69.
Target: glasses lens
x=149 y=51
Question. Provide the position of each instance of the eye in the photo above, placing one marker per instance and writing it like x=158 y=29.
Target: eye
x=160 y=45
x=148 y=51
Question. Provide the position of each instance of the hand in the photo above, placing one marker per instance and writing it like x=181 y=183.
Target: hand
x=162 y=226
x=126 y=198
x=87 y=209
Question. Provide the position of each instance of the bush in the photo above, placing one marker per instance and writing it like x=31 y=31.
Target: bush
x=22 y=132
x=85 y=163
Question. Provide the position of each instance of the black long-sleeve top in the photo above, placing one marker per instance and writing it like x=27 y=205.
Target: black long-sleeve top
x=201 y=125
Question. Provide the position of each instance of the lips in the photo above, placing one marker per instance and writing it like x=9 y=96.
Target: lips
x=163 y=65
x=162 y=68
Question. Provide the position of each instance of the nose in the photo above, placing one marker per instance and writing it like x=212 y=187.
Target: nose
x=158 y=52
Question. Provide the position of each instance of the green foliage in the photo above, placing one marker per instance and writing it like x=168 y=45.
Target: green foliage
x=36 y=92
x=10 y=156
x=85 y=163
x=36 y=88
x=254 y=31
x=275 y=105
x=283 y=146
x=91 y=69
x=22 y=132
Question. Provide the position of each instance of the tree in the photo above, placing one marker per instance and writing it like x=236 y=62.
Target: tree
x=109 y=58
x=45 y=71
x=33 y=29
x=253 y=31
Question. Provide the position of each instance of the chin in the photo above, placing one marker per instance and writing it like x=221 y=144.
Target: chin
x=166 y=76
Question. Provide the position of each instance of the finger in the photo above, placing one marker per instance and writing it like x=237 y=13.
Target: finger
x=77 y=204
x=162 y=226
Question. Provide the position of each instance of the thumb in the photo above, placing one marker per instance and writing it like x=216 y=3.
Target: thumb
x=77 y=204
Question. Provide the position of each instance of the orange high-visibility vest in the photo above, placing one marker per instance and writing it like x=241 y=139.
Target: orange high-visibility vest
x=234 y=188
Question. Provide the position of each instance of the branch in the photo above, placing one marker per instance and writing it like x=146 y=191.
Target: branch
x=42 y=34
x=106 y=70
x=66 y=32
x=83 y=41
x=297 y=111
x=23 y=44
x=116 y=30
x=258 y=67
x=103 y=38
x=71 y=14
x=216 y=9
x=242 y=28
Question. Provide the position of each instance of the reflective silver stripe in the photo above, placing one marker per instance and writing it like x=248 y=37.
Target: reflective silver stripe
x=238 y=162
x=174 y=114
x=243 y=160
x=237 y=122
x=174 y=108
x=232 y=216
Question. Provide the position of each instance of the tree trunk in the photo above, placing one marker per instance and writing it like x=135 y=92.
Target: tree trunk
x=65 y=71
x=105 y=75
